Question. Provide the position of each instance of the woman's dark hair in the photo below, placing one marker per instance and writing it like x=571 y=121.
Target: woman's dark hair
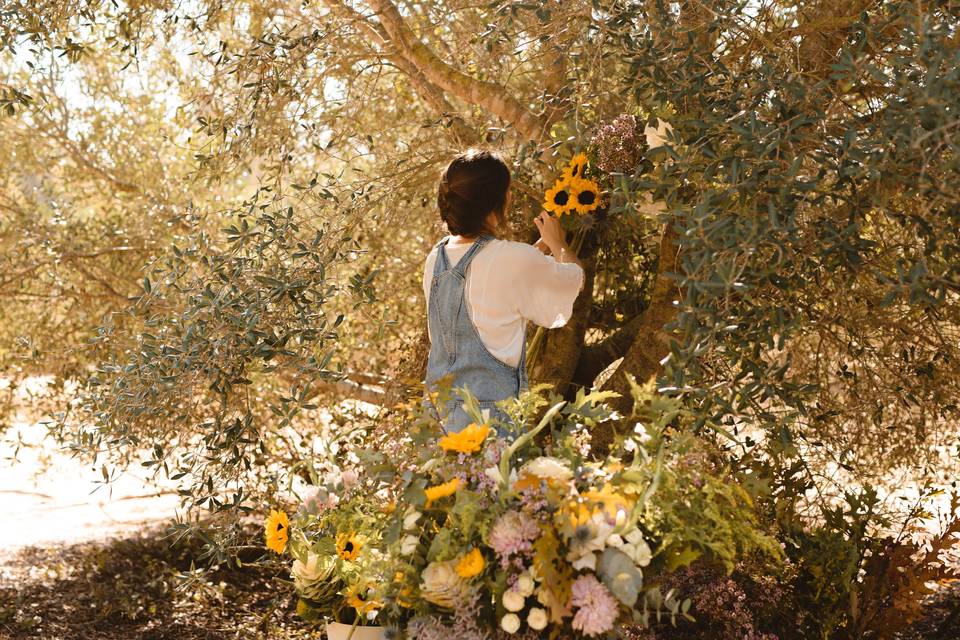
x=474 y=184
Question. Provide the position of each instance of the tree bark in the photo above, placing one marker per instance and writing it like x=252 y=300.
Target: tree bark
x=561 y=348
x=652 y=343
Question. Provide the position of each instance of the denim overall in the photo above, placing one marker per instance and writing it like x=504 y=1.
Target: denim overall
x=456 y=348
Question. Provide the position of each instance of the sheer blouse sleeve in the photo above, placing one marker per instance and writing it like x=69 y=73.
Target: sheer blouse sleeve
x=544 y=289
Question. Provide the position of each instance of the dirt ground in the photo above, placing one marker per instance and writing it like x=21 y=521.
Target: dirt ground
x=128 y=589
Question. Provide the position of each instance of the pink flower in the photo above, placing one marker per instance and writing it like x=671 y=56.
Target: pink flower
x=596 y=608
x=513 y=533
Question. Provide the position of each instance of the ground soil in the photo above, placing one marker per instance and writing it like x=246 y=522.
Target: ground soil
x=133 y=588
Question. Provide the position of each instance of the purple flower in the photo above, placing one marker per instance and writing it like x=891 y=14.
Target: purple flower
x=512 y=533
x=596 y=608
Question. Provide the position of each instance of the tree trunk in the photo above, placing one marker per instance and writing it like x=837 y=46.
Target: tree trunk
x=652 y=343
x=561 y=349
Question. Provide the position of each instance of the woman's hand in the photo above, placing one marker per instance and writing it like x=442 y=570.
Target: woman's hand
x=540 y=244
x=551 y=234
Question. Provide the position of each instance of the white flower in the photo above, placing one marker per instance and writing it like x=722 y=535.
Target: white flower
x=408 y=545
x=349 y=478
x=537 y=619
x=547 y=468
x=657 y=136
x=410 y=518
x=510 y=623
x=586 y=561
x=513 y=600
x=589 y=537
x=637 y=548
x=635 y=536
x=494 y=474
x=525 y=585
x=642 y=434
x=615 y=541
x=441 y=585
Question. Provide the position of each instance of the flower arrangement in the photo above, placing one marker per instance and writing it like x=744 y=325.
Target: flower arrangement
x=333 y=540
x=513 y=528
x=520 y=531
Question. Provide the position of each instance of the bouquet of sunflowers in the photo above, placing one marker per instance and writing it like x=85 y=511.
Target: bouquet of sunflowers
x=508 y=531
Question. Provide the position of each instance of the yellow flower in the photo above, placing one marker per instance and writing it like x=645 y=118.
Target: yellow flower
x=440 y=491
x=471 y=564
x=610 y=501
x=467 y=441
x=276 y=530
x=557 y=198
x=575 y=168
x=584 y=195
x=348 y=546
x=357 y=598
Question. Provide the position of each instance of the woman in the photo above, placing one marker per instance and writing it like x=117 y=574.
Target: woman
x=481 y=290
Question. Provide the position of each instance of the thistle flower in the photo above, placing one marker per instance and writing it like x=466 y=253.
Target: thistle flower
x=596 y=607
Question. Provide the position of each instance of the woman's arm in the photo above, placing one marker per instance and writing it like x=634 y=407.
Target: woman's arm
x=551 y=235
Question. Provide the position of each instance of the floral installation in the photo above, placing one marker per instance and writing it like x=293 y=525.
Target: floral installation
x=514 y=528
x=512 y=525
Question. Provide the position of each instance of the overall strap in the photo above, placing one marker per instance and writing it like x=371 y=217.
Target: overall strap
x=461 y=267
x=441 y=264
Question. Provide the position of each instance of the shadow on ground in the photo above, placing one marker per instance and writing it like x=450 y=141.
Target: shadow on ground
x=128 y=589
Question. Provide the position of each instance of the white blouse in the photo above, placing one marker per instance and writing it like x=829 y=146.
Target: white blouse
x=507 y=284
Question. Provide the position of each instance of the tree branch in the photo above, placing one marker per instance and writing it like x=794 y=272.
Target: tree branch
x=430 y=93
x=489 y=95
x=597 y=357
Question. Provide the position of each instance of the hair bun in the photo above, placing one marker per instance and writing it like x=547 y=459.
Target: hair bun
x=472 y=186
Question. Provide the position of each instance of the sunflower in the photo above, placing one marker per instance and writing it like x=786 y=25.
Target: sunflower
x=348 y=546
x=467 y=441
x=557 y=198
x=357 y=597
x=275 y=530
x=584 y=195
x=440 y=491
x=471 y=564
x=575 y=168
